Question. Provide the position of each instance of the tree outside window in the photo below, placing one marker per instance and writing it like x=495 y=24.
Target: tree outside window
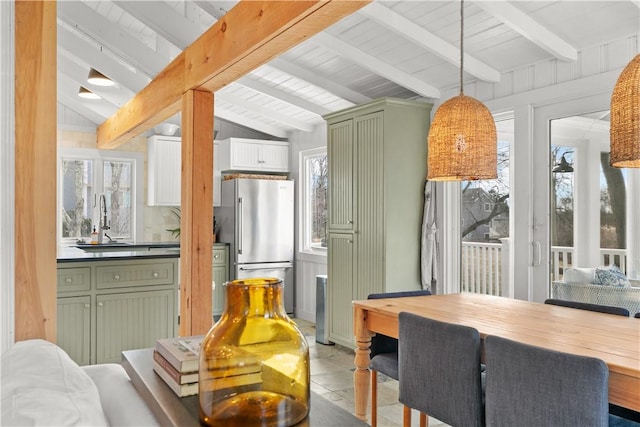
x=314 y=199
x=84 y=176
x=485 y=208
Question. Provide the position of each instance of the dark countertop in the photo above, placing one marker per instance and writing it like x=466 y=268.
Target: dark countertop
x=172 y=244
x=71 y=254
x=153 y=250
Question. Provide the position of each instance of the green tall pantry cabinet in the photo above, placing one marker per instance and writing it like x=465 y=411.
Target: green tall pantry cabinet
x=377 y=171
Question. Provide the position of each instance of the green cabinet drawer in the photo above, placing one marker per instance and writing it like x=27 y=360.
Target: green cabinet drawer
x=120 y=276
x=220 y=256
x=74 y=279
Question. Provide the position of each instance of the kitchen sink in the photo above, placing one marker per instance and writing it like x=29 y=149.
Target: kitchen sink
x=103 y=247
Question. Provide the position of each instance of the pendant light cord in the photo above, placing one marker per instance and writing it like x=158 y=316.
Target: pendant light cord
x=461 y=44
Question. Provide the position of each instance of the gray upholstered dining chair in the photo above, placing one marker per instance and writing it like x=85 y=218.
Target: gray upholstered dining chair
x=439 y=370
x=532 y=386
x=591 y=307
x=384 y=353
x=619 y=416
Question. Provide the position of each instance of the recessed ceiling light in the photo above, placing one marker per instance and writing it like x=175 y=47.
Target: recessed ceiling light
x=99 y=79
x=87 y=94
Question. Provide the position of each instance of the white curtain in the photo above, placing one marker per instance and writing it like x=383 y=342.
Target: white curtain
x=429 y=251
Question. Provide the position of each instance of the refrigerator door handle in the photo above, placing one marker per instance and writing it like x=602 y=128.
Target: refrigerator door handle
x=266 y=267
x=239 y=225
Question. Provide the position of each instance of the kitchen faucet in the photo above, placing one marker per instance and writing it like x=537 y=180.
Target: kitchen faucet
x=103 y=223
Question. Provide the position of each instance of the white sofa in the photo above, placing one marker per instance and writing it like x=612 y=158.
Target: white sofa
x=580 y=285
x=42 y=386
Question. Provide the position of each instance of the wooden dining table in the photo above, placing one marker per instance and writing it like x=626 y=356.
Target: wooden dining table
x=614 y=339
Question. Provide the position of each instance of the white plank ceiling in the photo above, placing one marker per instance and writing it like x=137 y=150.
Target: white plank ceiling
x=405 y=49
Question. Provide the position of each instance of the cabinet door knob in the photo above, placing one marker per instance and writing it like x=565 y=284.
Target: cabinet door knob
x=350 y=221
x=68 y=280
x=87 y=306
x=349 y=241
x=155 y=275
x=216 y=256
x=100 y=304
x=116 y=277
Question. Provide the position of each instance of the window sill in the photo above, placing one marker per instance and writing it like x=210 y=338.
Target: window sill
x=319 y=257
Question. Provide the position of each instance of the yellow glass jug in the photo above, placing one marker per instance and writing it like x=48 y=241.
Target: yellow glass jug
x=254 y=362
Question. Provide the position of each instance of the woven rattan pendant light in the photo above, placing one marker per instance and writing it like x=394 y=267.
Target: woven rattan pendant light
x=462 y=141
x=625 y=118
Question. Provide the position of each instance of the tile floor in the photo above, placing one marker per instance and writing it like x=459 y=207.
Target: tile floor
x=332 y=377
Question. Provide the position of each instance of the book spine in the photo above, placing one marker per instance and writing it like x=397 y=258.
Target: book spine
x=168 y=355
x=180 y=390
x=180 y=377
x=166 y=366
x=180 y=352
x=166 y=378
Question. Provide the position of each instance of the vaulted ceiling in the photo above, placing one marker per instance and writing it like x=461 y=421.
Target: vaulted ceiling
x=405 y=49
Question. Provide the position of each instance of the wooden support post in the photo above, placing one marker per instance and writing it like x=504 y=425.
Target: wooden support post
x=249 y=35
x=196 y=224
x=35 y=186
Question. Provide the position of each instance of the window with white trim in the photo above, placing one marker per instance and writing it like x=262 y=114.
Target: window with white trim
x=314 y=198
x=85 y=175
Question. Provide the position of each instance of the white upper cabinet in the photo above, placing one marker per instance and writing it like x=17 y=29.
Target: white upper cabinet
x=164 y=175
x=255 y=155
x=164 y=154
x=217 y=176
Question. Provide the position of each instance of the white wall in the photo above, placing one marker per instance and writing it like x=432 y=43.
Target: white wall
x=307 y=266
x=7 y=176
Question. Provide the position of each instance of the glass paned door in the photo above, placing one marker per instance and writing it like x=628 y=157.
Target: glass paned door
x=484 y=220
x=588 y=197
x=562 y=209
x=614 y=186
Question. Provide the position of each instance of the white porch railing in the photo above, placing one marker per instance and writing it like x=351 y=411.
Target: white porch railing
x=562 y=258
x=481 y=269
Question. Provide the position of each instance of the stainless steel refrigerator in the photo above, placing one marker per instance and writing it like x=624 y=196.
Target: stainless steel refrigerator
x=256 y=219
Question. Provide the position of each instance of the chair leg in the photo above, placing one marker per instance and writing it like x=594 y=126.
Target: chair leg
x=406 y=416
x=424 y=421
x=374 y=398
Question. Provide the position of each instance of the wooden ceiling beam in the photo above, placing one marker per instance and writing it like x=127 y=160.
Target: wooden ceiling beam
x=249 y=35
x=529 y=28
x=397 y=23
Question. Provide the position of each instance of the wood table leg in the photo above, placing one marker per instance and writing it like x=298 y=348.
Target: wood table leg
x=361 y=376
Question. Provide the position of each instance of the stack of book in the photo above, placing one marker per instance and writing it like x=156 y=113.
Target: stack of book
x=175 y=360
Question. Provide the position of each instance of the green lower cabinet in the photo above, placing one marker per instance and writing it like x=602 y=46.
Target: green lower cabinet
x=220 y=274
x=106 y=307
x=74 y=327
x=133 y=320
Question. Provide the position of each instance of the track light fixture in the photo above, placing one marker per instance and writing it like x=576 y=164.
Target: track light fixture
x=99 y=79
x=87 y=94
